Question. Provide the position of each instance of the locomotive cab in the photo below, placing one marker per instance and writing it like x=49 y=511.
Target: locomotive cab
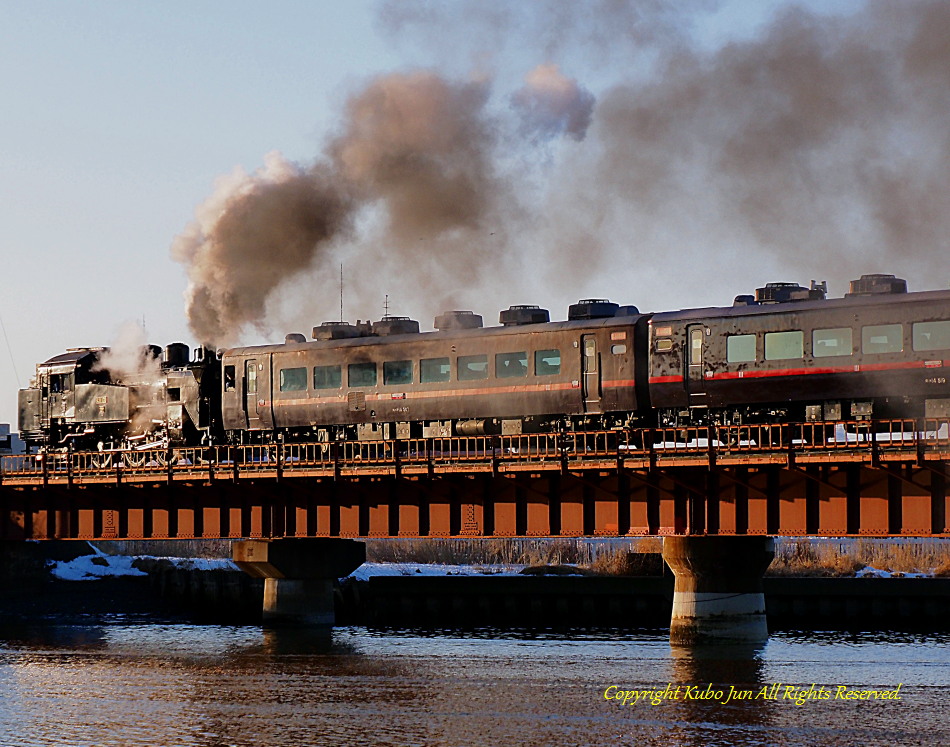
x=71 y=401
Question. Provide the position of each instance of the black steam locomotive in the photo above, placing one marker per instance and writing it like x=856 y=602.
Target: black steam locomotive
x=787 y=354
x=164 y=398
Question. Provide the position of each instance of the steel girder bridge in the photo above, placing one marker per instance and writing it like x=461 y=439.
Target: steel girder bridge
x=863 y=478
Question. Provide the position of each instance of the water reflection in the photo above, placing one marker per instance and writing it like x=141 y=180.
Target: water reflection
x=723 y=687
x=52 y=637
x=170 y=685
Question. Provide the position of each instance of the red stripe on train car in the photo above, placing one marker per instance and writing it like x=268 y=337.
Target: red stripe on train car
x=855 y=368
x=492 y=390
x=813 y=371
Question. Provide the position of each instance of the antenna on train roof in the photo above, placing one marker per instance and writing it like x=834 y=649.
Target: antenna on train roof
x=386 y=306
x=341 y=291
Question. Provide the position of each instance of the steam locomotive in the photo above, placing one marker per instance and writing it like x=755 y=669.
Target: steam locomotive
x=77 y=401
x=786 y=354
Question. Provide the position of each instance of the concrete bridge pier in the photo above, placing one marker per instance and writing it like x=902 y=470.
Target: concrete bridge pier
x=718 y=596
x=298 y=576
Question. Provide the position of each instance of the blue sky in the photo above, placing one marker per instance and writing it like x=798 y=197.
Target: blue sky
x=118 y=117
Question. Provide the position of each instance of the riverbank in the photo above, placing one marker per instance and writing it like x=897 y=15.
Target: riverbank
x=430 y=595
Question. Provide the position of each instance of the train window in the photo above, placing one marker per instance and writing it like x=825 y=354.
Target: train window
x=59 y=383
x=828 y=342
x=434 y=370
x=327 y=377
x=696 y=347
x=250 y=377
x=740 y=348
x=931 y=335
x=361 y=374
x=547 y=362
x=664 y=346
x=229 y=378
x=618 y=349
x=882 y=338
x=397 y=372
x=472 y=367
x=511 y=365
x=783 y=346
x=293 y=379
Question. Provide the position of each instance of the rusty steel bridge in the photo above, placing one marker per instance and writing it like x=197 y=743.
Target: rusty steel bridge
x=864 y=478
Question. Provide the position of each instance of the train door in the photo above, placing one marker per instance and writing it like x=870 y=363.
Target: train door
x=695 y=365
x=590 y=373
x=252 y=401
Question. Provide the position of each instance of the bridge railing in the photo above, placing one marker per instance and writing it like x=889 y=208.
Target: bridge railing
x=937 y=432
x=863 y=439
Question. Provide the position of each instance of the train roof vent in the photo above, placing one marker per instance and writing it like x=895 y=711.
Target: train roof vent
x=458 y=320
x=872 y=285
x=336 y=331
x=523 y=314
x=786 y=292
x=592 y=308
x=627 y=310
x=293 y=338
x=395 y=325
x=744 y=300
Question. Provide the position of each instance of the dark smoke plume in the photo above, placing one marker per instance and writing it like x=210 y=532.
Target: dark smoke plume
x=416 y=145
x=254 y=232
x=421 y=145
x=551 y=104
x=816 y=149
x=819 y=143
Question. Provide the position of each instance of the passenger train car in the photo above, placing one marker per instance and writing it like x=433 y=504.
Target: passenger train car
x=794 y=356
x=524 y=377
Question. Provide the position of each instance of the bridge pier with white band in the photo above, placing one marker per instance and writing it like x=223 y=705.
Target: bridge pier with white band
x=717 y=596
x=298 y=576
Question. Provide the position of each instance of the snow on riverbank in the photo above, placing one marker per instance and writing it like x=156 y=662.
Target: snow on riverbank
x=367 y=570
x=97 y=565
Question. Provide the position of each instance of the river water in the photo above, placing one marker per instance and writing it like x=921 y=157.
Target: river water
x=181 y=684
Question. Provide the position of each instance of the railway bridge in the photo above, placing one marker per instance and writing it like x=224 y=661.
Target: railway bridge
x=717 y=494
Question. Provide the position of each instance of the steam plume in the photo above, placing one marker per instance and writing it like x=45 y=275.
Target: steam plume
x=129 y=361
x=415 y=144
x=816 y=148
x=551 y=103
x=818 y=143
x=252 y=233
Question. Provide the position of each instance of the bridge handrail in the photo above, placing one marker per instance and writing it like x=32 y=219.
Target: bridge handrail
x=872 y=439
